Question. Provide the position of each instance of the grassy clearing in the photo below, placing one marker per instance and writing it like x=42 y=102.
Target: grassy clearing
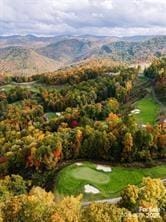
x=149 y=110
x=7 y=87
x=32 y=86
x=71 y=179
x=51 y=115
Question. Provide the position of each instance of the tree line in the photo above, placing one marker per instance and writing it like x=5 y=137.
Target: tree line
x=157 y=73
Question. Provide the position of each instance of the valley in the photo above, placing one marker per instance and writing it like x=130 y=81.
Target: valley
x=92 y=133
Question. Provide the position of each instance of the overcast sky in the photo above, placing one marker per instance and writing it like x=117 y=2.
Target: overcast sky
x=77 y=17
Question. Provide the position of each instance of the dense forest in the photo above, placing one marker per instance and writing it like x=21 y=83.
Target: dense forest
x=157 y=72
x=90 y=123
x=37 y=205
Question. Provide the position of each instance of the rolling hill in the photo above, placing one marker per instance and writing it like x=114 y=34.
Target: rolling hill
x=130 y=49
x=69 y=50
x=27 y=55
x=135 y=51
x=21 y=61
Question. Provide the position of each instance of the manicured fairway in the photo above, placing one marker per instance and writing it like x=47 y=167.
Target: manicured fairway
x=148 y=110
x=71 y=179
x=8 y=87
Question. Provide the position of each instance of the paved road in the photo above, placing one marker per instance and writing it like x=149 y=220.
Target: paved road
x=24 y=83
x=111 y=201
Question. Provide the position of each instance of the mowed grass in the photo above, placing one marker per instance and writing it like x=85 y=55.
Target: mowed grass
x=71 y=179
x=148 y=110
x=90 y=174
x=51 y=115
x=8 y=87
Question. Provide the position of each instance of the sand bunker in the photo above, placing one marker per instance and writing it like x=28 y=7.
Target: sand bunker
x=90 y=189
x=135 y=111
x=79 y=164
x=58 y=114
x=104 y=168
x=143 y=125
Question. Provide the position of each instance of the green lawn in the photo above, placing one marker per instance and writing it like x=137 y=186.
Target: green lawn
x=6 y=87
x=71 y=179
x=51 y=115
x=148 y=110
x=90 y=174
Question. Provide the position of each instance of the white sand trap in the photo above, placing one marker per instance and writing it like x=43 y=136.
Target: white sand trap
x=135 y=111
x=58 y=113
x=90 y=189
x=143 y=125
x=104 y=168
x=79 y=164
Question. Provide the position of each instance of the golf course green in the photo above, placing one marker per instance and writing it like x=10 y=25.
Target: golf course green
x=91 y=175
x=72 y=179
x=148 y=110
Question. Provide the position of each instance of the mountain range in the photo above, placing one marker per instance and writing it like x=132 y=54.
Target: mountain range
x=28 y=55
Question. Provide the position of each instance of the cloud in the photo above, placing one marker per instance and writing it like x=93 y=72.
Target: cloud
x=101 y=17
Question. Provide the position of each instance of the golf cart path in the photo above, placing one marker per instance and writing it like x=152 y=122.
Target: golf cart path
x=110 y=201
x=25 y=83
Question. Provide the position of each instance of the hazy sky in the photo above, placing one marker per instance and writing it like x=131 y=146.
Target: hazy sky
x=99 y=17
